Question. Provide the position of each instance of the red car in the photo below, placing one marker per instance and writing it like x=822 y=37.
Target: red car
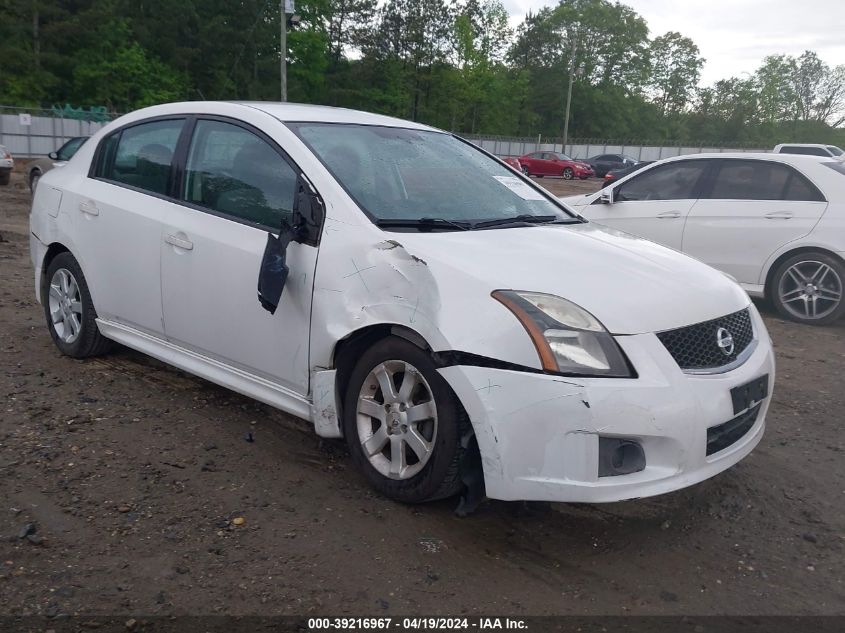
x=513 y=161
x=554 y=164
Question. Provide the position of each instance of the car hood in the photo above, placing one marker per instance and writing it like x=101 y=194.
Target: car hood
x=630 y=284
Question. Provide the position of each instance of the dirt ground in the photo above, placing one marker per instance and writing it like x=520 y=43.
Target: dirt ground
x=133 y=473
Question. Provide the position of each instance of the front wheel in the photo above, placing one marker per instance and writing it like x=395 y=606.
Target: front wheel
x=403 y=423
x=70 y=313
x=568 y=173
x=808 y=288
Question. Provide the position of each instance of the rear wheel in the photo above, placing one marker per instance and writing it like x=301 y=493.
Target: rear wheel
x=525 y=170
x=808 y=288
x=70 y=313
x=568 y=173
x=5 y=175
x=403 y=423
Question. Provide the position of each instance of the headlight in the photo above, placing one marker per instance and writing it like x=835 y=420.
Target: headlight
x=568 y=339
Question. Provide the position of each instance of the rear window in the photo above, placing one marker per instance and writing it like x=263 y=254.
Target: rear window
x=834 y=150
x=809 y=151
x=761 y=180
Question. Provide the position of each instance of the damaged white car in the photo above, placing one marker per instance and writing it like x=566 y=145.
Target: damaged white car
x=415 y=295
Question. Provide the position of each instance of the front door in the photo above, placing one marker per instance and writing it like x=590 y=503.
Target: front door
x=653 y=204
x=237 y=186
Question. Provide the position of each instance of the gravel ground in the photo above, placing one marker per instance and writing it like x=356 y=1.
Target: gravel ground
x=133 y=475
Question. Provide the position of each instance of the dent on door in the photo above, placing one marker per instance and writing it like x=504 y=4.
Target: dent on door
x=308 y=216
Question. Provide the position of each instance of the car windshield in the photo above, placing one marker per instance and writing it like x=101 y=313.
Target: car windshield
x=563 y=157
x=403 y=175
x=67 y=150
x=834 y=150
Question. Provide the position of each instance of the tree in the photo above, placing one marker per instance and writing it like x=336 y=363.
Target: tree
x=675 y=71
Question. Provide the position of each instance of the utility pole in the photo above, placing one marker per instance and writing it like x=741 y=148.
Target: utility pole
x=569 y=94
x=286 y=7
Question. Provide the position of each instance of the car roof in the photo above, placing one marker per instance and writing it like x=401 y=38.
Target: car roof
x=822 y=145
x=772 y=156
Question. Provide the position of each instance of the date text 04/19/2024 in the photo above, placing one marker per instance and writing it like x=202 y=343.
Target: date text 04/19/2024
x=416 y=624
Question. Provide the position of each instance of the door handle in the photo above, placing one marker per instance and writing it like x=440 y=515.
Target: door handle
x=179 y=242
x=669 y=215
x=89 y=208
x=779 y=215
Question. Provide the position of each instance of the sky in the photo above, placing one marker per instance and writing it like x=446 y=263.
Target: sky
x=735 y=35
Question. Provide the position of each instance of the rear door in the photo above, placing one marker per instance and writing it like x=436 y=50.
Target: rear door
x=749 y=210
x=118 y=215
x=653 y=204
x=237 y=186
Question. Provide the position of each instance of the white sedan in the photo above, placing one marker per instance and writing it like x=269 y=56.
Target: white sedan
x=399 y=287
x=774 y=222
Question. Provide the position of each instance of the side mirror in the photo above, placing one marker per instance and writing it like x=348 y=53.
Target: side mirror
x=308 y=216
x=308 y=213
x=606 y=196
x=53 y=156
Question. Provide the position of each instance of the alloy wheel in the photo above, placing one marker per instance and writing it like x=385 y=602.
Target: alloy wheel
x=810 y=290
x=65 y=305
x=397 y=419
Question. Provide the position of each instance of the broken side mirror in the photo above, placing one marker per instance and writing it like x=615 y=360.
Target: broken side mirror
x=308 y=213
x=307 y=222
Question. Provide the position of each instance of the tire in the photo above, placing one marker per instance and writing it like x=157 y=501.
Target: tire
x=808 y=288
x=72 y=324
x=435 y=475
x=34 y=177
x=568 y=174
x=526 y=172
x=5 y=176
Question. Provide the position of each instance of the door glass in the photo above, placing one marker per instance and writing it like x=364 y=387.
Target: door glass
x=675 y=181
x=232 y=171
x=760 y=180
x=143 y=155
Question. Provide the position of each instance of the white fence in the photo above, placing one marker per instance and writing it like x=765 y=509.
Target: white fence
x=28 y=136
x=520 y=147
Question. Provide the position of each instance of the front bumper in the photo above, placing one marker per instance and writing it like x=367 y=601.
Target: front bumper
x=539 y=434
x=582 y=172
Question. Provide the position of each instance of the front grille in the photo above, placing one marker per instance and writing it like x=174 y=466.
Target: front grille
x=722 y=436
x=696 y=347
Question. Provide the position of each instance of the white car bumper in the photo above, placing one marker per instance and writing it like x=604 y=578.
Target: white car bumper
x=539 y=434
x=6 y=163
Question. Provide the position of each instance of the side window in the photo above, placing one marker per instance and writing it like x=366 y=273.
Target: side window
x=231 y=170
x=140 y=156
x=761 y=180
x=674 y=181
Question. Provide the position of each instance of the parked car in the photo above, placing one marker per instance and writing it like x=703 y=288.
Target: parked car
x=458 y=318
x=41 y=166
x=809 y=149
x=616 y=174
x=772 y=221
x=7 y=163
x=513 y=161
x=604 y=163
x=554 y=164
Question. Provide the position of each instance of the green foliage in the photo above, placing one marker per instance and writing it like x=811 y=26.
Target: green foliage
x=454 y=64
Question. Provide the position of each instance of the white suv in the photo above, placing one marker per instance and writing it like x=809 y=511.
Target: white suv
x=809 y=149
x=399 y=287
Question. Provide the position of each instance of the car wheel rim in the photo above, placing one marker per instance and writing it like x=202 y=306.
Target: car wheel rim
x=810 y=290
x=397 y=419
x=567 y=174
x=35 y=179
x=65 y=306
x=525 y=171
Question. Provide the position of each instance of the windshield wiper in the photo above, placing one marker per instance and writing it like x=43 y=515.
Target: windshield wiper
x=424 y=224
x=523 y=218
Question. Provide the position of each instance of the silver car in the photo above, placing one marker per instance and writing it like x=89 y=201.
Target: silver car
x=41 y=166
